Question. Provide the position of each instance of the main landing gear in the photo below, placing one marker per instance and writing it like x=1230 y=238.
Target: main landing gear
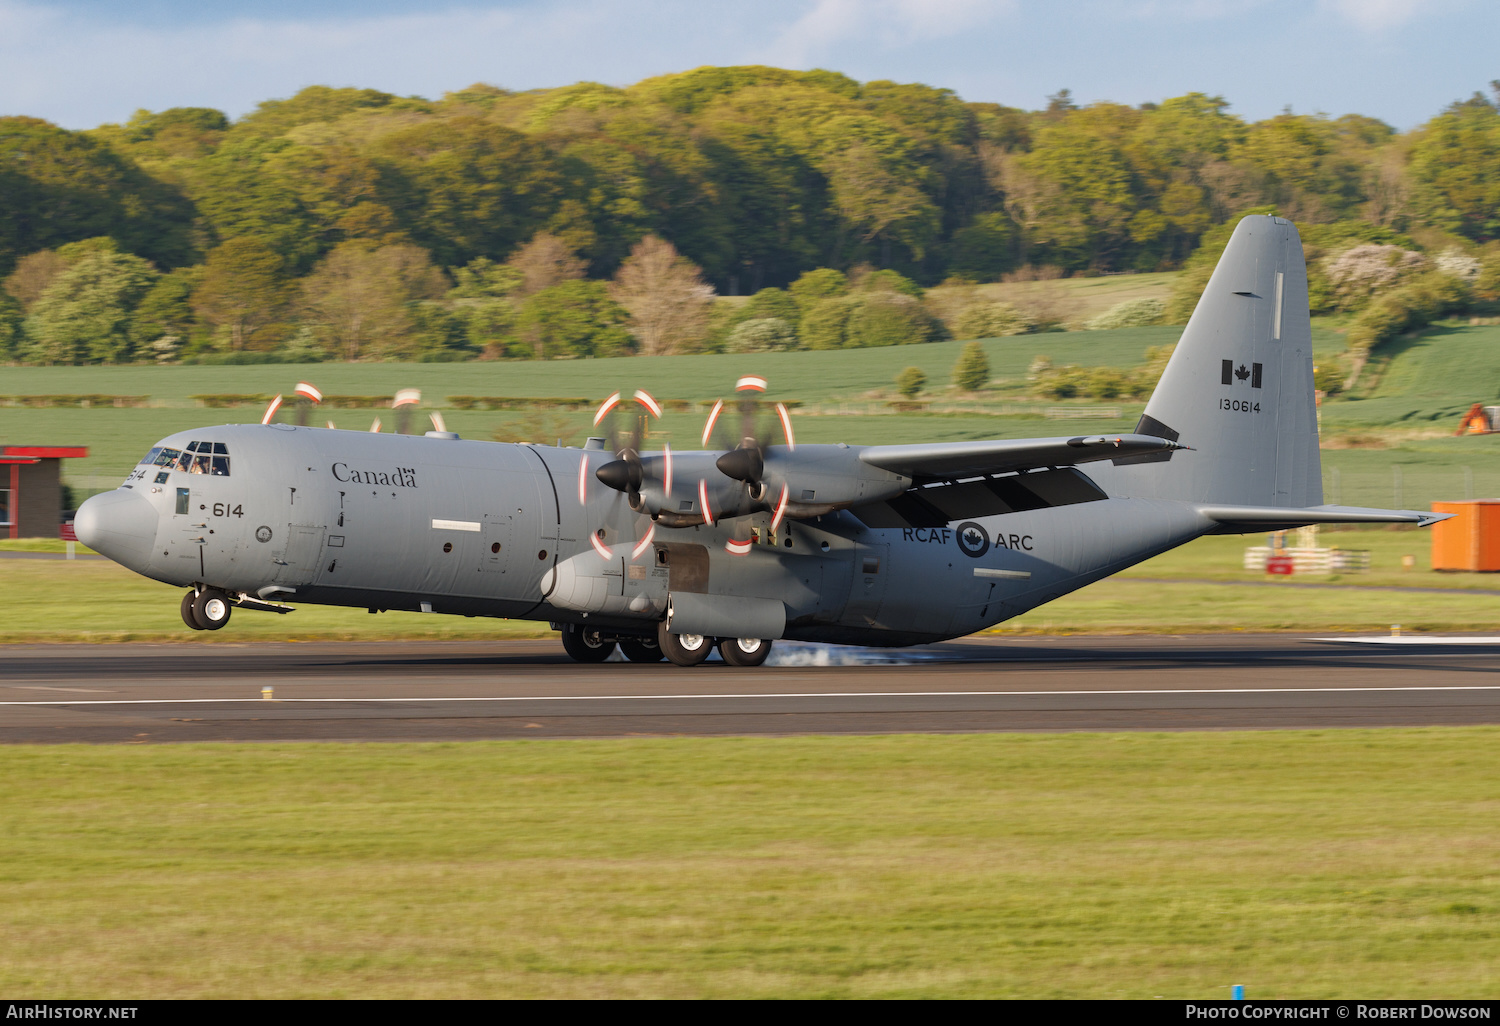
x=587 y=645
x=206 y=610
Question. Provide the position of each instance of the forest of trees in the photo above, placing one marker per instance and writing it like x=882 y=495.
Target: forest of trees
x=591 y=220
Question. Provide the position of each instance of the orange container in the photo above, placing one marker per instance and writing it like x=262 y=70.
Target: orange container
x=1471 y=540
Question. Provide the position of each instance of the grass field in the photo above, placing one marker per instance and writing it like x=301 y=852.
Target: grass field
x=1179 y=592
x=1390 y=447
x=1300 y=864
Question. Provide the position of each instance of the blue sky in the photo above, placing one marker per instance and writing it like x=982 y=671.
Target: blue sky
x=83 y=62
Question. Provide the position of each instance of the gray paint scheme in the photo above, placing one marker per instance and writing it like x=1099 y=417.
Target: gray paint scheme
x=410 y=522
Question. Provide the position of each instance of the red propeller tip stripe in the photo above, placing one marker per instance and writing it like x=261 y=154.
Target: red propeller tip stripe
x=609 y=404
x=708 y=514
x=750 y=383
x=738 y=548
x=643 y=544
x=407 y=397
x=713 y=415
x=600 y=547
x=786 y=425
x=308 y=392
x=271 y=410
x=780 y=509
x=644 y=398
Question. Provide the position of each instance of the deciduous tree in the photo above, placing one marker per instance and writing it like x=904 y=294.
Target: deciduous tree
x=666 y=297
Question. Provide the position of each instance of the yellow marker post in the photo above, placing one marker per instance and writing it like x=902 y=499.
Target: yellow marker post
x=266 y=693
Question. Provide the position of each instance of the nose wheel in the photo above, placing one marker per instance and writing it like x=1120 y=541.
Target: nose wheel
x=207 y=610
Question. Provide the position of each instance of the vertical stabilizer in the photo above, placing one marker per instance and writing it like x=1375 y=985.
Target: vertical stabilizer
x=1239 y=386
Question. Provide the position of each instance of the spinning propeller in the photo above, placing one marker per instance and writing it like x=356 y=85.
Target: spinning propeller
x=746 y=459
x=628 y=473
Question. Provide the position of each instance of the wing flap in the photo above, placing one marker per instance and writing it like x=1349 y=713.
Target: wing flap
x=935 y=460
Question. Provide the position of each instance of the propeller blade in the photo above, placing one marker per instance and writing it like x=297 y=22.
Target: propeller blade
x=780 y=508
x=786 y=425
x=583 y=475
x=708 y=513
x=750 y=383
x=666 y=486
x=644 y=398
x=738 y=548
x=375 y=427
x=643 y=544
x=330 y=426
x=713 y=415
x=607 y=405
x=437 y=421
x=407 y=397
x=308 y=392
x=600 y=547
x=271 y=410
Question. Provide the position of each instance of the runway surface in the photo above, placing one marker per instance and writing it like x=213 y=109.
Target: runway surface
x=389 y=691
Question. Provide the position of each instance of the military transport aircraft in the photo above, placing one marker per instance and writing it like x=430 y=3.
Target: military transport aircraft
x=668 y=554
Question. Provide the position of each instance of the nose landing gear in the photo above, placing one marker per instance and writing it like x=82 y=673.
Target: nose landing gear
x=206 y=610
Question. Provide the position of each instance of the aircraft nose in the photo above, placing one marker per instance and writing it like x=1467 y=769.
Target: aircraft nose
x=120 y=524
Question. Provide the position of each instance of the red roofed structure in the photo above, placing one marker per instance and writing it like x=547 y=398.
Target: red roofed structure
x=31 y=488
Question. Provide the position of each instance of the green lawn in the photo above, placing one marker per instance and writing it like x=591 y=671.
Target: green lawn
x=95 y=600
x=1300 y=864
x=1404 y=453
x=807 y=376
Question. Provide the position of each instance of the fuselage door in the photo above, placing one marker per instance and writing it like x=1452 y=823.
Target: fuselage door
x=297 y=563
x=871 y=571
x=494 y=557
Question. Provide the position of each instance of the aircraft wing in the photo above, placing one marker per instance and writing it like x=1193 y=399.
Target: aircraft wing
x=960 y=459
x=1253 y=519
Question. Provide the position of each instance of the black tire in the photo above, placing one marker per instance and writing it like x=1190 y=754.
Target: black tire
x=189 y=617
x=585 y=645
x=735 y=652
x=641 y=650
x=211 y=609
x=683 y=649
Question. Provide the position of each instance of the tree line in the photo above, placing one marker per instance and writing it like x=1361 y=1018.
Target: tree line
x=591 y=220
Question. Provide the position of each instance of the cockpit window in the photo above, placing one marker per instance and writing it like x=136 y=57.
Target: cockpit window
x=196 y=458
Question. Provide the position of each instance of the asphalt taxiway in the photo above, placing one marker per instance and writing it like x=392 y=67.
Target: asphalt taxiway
x=506 y=689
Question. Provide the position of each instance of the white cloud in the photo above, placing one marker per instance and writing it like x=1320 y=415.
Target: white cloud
x=890 y=24
x=1378 y=15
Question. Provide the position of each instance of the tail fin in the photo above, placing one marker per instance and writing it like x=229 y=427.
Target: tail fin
x=1239 y=386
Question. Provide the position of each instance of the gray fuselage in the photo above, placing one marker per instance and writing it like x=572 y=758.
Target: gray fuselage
x=444 y=525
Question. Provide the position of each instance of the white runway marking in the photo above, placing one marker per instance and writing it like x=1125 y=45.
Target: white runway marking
x=791 y=694
x=1403 y=639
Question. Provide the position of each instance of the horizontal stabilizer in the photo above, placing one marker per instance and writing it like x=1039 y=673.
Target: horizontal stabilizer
x=1252 y=519
x=958 y=459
